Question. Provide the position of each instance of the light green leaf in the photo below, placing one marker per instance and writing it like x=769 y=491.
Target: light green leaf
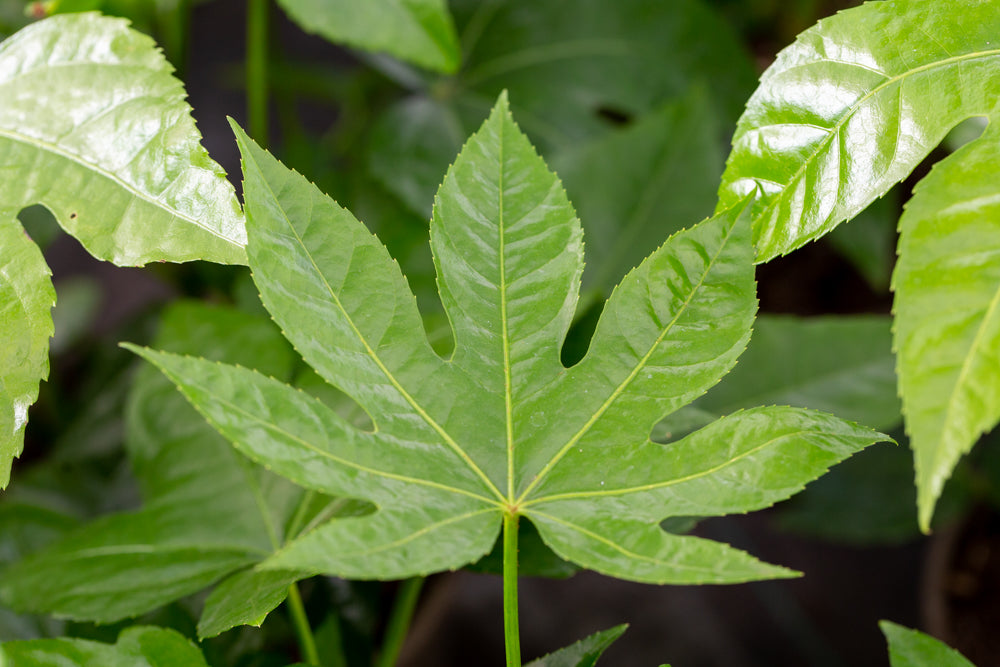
x=94 y=127
x=501 y=427
x=583 y=653
x=853 y=106
x=947 y=336
x=207 y=513
x=841 y=365
x=137 y=647
x=909 y=648
x=573 y=75
x=420 y=31
x=26 y=299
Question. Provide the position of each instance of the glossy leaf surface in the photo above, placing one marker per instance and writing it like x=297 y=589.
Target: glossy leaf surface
x=947 y=334
x=208 y=512
x=910 y=648
x=501 y=426
x=420 y=31
x=584 y=653
x=26 y=300
x=136 y=647
x=853 y=106
x=94 y=126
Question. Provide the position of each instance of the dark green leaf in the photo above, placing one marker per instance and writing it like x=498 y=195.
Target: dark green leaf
x=583 y=653
x=136 y=647
x=909 y=648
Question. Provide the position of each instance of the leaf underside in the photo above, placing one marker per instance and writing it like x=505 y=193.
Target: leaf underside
x=844 y=113
x=501 y=426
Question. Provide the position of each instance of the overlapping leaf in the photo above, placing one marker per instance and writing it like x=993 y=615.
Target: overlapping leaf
x=571 y=73
x=139 y=646
x=208 y=512
x=420 y=31
x=501 y=427
x=910 y=648
x=842 y=115
x=93 y=126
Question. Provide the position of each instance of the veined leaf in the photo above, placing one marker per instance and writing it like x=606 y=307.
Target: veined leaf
x=909 y=648
x=208 y=512
x=947 y=304
x=851 y=108
x=583 y=653
x=136 y=647
x=842 y=115
x=501 y=428
x=420 y=31
x=93 y=126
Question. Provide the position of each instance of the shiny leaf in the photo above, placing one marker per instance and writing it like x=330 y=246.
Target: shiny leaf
x=26 y=300
x=95 y=127
x=909 y=648
x=852 y=107
x=420 y=31
x=947 y=305
x=136 y=647
x=501 y=426
x=583 y=653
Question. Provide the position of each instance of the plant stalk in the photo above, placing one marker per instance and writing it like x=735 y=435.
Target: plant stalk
x=399 y=621
x=256 y=70
x=511 y=632
x=307 y=643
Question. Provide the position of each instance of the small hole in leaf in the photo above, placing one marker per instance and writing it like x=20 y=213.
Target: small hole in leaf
x=614 y=116
x=72 y=216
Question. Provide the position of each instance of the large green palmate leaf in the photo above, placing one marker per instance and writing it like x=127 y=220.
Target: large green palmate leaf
x=573 y=71
x=139 y=646
x=93 y=126
x=208 y=512
x=501 y=428
x=842 y=115
x=420 y=31
x=910 y=648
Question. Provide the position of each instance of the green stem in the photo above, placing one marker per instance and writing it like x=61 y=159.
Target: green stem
x=257 y=83
x=511 y=633
x=399 y=621
x=306 y=641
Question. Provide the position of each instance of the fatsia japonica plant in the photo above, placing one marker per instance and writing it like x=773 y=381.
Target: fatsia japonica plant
x=389 y=459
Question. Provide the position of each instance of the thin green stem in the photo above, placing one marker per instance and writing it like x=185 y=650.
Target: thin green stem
x=399 y=621
x=307 y=643
x=256 y=71
x=511 y=632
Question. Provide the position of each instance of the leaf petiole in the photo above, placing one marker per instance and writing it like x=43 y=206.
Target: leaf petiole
x=307 y=643
x=399 y=621
x=511 y=633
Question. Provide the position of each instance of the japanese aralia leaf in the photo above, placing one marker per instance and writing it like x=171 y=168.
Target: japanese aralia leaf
x=501 y=429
